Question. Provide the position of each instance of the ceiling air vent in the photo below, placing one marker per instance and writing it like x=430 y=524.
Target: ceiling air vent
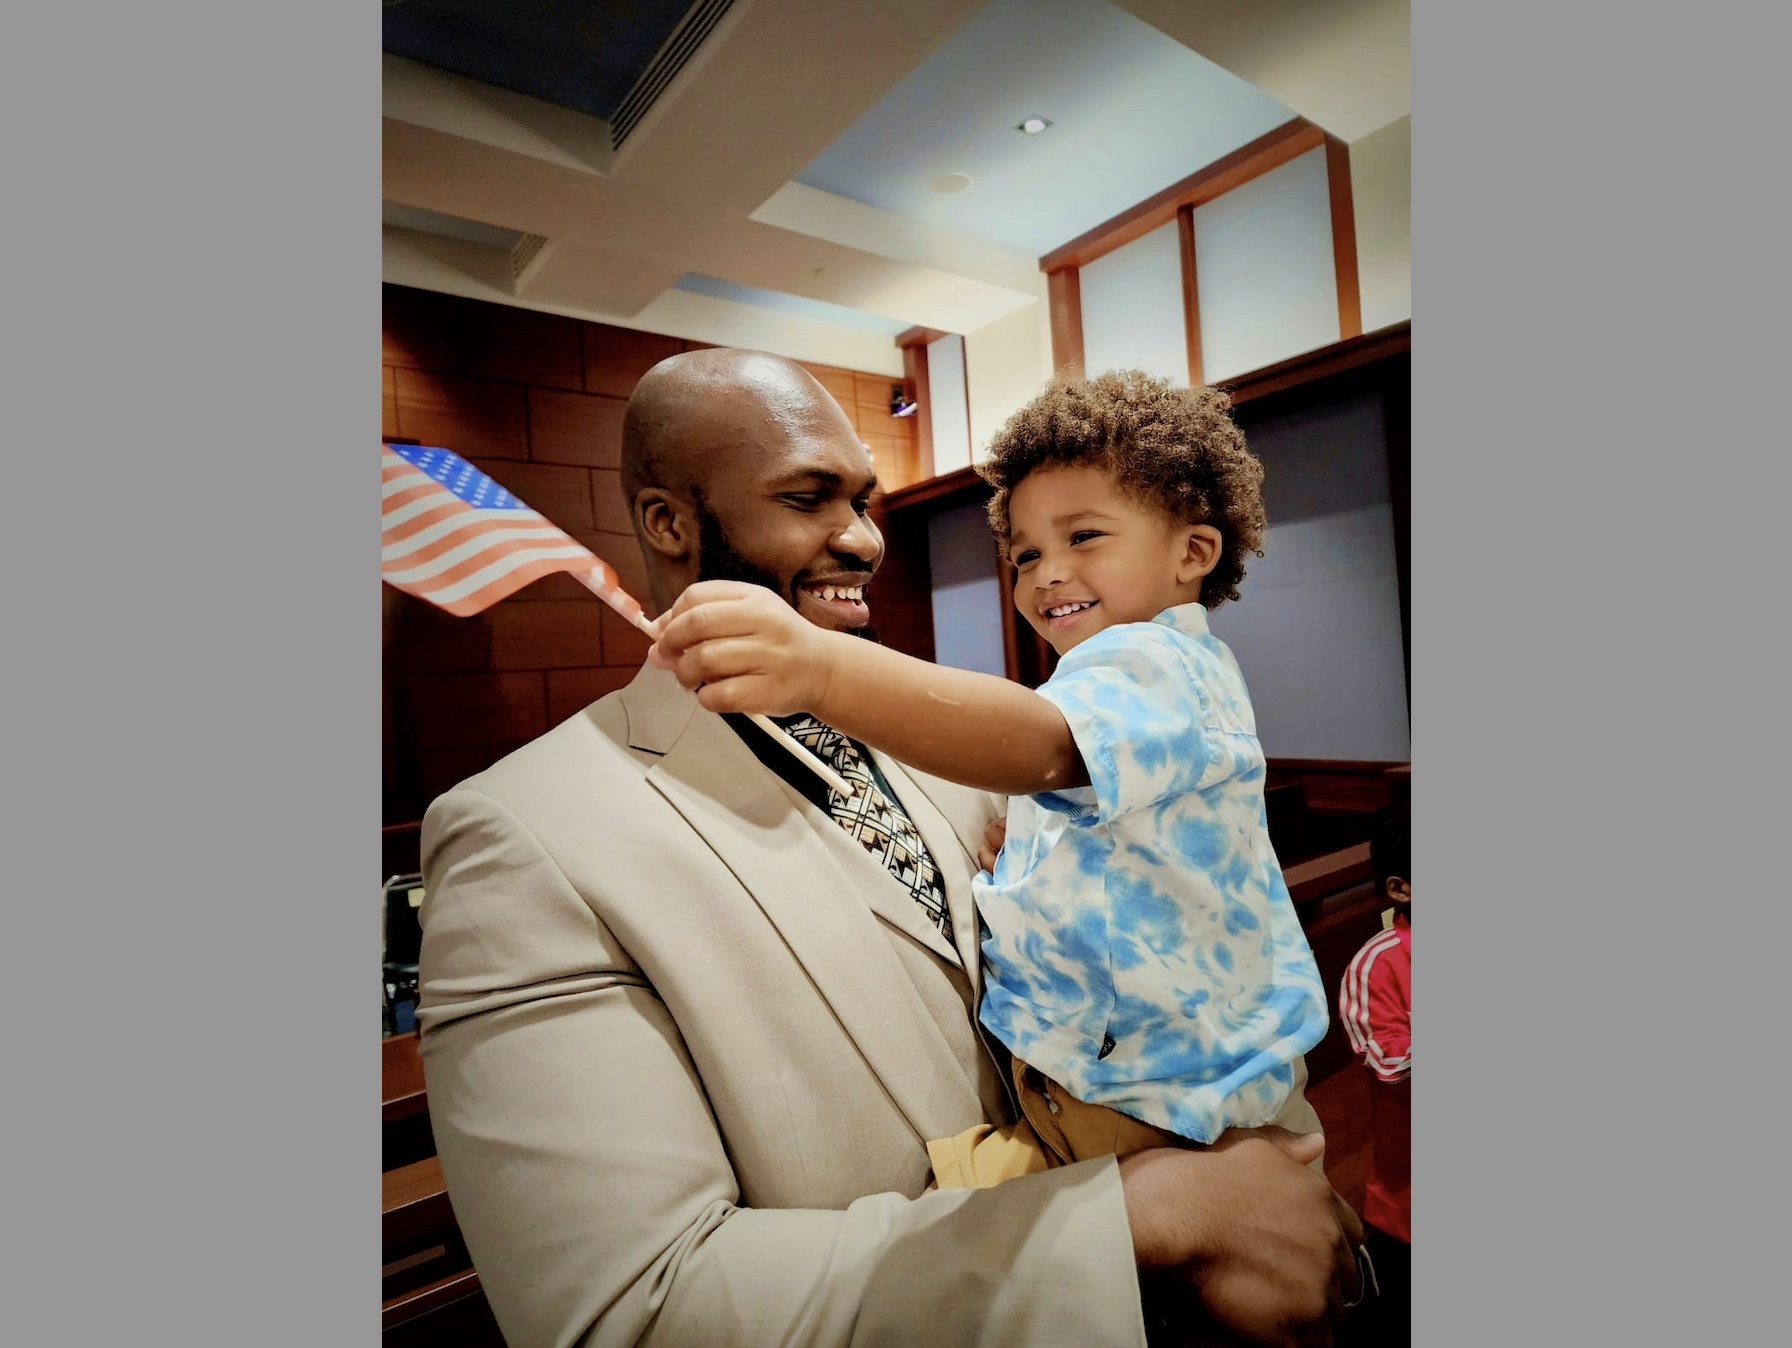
x=696 y=25
x=522 y=253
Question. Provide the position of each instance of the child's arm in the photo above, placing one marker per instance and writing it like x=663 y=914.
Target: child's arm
x=745 y=650
x=1373 y=1006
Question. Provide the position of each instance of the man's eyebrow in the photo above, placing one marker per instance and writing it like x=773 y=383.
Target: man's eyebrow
x=820 y=477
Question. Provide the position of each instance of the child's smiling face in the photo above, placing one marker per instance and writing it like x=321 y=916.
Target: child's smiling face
x=1086 y=556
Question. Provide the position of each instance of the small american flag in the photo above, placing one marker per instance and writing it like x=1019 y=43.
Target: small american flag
x=452 y=536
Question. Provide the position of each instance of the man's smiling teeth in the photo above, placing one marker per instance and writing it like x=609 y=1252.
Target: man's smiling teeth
x=1063 y=609
x=855 y=593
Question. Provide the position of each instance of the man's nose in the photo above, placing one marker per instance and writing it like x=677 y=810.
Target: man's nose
x=860 y=539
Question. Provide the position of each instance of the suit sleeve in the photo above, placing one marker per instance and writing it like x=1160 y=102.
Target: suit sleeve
x=594 y=1191
x=1374 y=1003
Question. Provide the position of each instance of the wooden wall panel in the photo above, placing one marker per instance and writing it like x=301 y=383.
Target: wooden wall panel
x=544 y=634
x=609 y=511
x=616 y=357
x=570 y=691
x=575 y=428
x=476 y=418
x=562 y=494
x=439 y=643
x=838 y=383
x=460 y=710
x=624 y=643
x=443 y=769
x=624 y=556
x=388 y=403
x=452 y=335
x=914 y=368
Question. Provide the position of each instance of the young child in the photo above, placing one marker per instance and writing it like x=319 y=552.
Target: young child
x=1375 y=1004
x=1142 y=960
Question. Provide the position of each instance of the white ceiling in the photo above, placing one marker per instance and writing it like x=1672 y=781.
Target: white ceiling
x=777 y=193
x=1131 y=113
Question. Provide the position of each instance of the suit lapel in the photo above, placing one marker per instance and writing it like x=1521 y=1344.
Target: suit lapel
x=948 y=848
x=766 y=834
x=886 y=896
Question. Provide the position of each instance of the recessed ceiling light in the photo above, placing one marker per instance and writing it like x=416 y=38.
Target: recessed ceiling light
x=1034 y=125
x=950 y=184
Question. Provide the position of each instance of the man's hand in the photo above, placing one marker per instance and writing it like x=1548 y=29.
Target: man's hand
x=993 y=837
x=743 y=649
x=1241 y=1243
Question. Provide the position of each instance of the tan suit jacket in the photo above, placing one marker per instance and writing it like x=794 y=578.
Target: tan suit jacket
x=685 y=1041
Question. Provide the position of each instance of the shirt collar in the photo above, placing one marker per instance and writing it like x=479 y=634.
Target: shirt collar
x=1189 y=619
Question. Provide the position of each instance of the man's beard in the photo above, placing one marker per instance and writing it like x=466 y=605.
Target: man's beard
x=718 y=559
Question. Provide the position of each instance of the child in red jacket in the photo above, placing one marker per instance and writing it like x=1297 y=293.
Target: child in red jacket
x=1375 y=1004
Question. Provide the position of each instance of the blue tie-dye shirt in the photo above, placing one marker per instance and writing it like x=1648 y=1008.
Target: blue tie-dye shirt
x=1140 y=947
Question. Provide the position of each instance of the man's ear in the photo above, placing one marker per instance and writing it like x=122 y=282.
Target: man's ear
x=1398 y=890
x=1201 y=549
x=666 y=523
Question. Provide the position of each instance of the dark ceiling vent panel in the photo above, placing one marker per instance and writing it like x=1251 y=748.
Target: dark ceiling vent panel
x=523 y=253
x=696 y=25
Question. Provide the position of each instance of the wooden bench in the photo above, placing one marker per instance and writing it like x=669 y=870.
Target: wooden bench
x=430 y=1293
x=1290 y=821
x=1339 y=908
x=1312 y=880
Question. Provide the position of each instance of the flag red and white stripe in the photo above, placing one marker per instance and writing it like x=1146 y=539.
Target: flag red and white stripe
x=452 y=536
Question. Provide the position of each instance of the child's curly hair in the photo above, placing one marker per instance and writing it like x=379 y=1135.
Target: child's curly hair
x=1174 y=449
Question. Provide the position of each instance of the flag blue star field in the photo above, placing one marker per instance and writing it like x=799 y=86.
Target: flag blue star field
x=452 y=536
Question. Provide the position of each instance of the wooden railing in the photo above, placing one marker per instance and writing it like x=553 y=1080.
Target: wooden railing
x=429 y=1290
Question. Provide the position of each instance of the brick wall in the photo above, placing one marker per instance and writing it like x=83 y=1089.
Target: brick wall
x=536 y=401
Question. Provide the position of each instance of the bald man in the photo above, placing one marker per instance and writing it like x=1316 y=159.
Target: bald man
x=688 y=1021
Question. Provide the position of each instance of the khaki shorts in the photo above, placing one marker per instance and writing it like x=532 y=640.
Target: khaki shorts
x=1056 y=1129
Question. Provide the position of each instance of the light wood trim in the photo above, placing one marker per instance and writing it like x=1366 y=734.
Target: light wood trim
x=919 y=336
x=433 y=1296
x=1191 y=294
x=1288 y=141
x=914 y=372
x=401 y=1078
x=1010 y=634
x=1328 y=874
x=1065 y=293
x=414 y=1208
x=411 y=1184
x=1344 y=767
x=961 y=484
x=1337 y=175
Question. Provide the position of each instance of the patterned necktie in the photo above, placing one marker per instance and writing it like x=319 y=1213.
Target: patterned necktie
x=880 y=825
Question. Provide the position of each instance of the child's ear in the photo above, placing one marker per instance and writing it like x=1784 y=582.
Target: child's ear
x=665 y=524
x=1201 y=549
x=1398 y=890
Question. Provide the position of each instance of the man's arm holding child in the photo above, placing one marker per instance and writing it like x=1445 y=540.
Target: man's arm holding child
x=745 y=650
